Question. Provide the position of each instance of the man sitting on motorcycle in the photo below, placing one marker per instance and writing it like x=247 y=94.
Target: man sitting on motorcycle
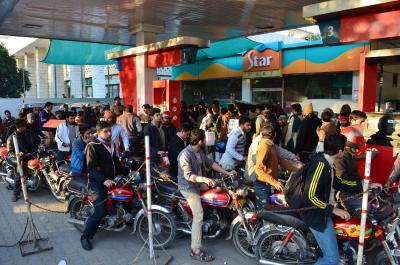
x=191 y=170
x=85 y=136
x=27 y=143
x=102 y=166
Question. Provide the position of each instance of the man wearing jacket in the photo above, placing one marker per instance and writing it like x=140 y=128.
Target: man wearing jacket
x=176 y=145
x=236 y=145
x=132 y=126
x=119 y=136
x=102 y=166
x=45 y=115
x=65 y=135
x=85 y=136
x=319 y=190
x=157 y=136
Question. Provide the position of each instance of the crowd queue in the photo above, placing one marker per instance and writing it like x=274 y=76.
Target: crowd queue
x=264 y=141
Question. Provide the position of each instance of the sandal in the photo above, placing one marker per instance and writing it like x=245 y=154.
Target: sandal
x=201 y=256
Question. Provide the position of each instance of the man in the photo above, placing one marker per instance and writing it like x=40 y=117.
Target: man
x=44 y=116
x=33 y=125
x=102 y=166
x=65 y=135
x=118 y=133
x=157 y=136
x=145 y=114
x=85 y=136
x=236 y=145
x=132 y=126
x=175 y=146
x=319 y=192
x=191 y=170
x=225 y=122
x=262 y=120
x=64 y=110
x=117 y=108
x=307 y=138
x=168 y=127
x=266 y=166
x=9 y=120
x=294 y=122
x=27 y=143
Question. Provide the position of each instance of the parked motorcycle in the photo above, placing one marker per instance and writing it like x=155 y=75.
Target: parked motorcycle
x=221 y=205
x=125 y=206
x=286 y=239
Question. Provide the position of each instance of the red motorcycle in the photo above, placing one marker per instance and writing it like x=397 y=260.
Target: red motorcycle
x=125 y=206
x=286 y=239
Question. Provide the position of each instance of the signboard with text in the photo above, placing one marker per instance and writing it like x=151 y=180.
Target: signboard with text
x=267 y=60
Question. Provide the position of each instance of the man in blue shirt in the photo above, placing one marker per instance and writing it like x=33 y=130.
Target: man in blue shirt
x=45 y=115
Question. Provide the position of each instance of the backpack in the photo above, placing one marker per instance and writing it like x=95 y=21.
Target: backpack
x=294 y=187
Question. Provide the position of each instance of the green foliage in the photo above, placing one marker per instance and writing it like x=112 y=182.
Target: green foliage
x=11 y=79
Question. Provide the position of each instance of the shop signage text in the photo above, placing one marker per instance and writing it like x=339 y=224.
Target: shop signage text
x=261 y=61
x=262 y=74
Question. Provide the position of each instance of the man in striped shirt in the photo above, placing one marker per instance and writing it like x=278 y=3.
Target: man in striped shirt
x=236 y=145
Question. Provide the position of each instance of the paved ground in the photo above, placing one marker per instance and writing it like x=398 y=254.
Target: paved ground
x=109 y=248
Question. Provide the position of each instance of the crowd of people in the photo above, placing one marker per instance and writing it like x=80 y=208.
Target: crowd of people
x=260 y=140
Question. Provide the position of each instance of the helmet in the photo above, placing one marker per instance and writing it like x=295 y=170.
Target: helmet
x=33 y=164
x=355 y=138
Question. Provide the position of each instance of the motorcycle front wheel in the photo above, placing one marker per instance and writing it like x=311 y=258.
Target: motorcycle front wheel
x=79 y=212
x=241 y=242
x=164 y=229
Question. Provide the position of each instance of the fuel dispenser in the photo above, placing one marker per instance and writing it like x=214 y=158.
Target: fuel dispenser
x=167 y=97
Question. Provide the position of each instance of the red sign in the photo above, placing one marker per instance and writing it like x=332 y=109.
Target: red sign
x=370 y=26
x=254 y=61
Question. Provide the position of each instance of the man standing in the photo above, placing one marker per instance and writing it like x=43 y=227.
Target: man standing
x=27 y=143
x=118 y=133
x=235 y=148
x=175 y=146
x=145 y=114
x=225 y=122
x=293 y=127
x=44 y=116
x=157 y=137
x=102 y=166
x=78 y=166
x=65 y=135
x=9 y=120
x=168 y=127
x=191 y=170
x=132 y=126
x=117 y=108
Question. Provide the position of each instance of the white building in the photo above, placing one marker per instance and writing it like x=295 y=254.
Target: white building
x=58 y=81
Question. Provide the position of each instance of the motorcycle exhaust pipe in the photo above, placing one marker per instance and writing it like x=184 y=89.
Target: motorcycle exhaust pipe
x=74 y=221
x=10 y=180
x=268 y=262
x=2 y=174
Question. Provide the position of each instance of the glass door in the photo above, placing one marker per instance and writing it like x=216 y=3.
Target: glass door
x=268 y=95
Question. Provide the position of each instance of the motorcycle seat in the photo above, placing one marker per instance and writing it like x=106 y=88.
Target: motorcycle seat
x=65 y=168
x=78 y=184
x=169 y=188
x=286 y=219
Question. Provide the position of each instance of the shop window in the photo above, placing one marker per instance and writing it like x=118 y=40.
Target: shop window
x=112 y=91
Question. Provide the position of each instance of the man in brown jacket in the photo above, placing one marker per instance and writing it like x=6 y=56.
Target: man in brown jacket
x=225 y=122
x=267 y=167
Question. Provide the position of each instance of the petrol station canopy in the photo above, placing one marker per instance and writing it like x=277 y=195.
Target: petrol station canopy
x=116 y=21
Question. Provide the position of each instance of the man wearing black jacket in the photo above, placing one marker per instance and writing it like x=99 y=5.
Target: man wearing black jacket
x=320 y=185
x=157 y=136
x=102 y=166
x=176 y=145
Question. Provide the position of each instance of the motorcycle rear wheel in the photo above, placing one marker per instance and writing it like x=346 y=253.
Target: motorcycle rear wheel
x=80 y=213
x=164 y=229
x=382 y=259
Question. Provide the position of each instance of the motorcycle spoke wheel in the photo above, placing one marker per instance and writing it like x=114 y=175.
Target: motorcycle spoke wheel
x=80 y=213
x=241 y=242
x=164 y=229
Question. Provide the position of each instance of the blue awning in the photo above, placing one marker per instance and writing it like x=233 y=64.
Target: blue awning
x=80 y=53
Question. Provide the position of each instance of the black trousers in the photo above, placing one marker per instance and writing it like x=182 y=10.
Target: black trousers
x=96 y=218
x=13 y=174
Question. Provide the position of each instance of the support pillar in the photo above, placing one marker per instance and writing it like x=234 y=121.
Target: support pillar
x=76 y=75
x=56 y=81
x=246 y=90
x=367 y=85
x=98 y=81
x=42 y=87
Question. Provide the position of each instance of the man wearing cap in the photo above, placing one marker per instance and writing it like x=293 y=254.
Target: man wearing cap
x=168 y=127
x=117 y=132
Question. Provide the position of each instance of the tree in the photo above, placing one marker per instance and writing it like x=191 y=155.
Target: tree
x=13 y=81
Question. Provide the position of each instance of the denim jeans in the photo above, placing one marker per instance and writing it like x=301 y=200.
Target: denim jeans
x=328 y=244
x=262 y=191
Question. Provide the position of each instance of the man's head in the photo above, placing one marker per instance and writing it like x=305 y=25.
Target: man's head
x=243 y=110
x=146 y=109
x=48 y=106
x=326 y=116
x=109 y=117
x=103 y=130
x=166 y=118
x=334 y=145
x=231 y=108
x=357 y=117
x=70 y=117
x=156 y=116
x=7 y=113
x=197 y=138
x=266 y=114
x=129 y=108
x=308 y=109
x=184 y=131
x=30 y=118
x=268 y=131
x=20 y=125
x=117 y=100
x=259 y=108
x=282 y=120
x=85 y=132
x=245 y=124
x=296 y=108
x=65 y=107
x=215 y=108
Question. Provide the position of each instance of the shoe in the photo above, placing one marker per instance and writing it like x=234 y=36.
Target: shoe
x=86 y=245
x=14 y=198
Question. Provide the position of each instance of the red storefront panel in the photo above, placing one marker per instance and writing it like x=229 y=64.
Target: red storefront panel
x=164 y=58
x=127 y=76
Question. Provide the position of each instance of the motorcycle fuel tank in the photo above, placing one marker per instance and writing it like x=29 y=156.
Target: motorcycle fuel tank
x=350 y=229
x=123 y=193
x=215 y=197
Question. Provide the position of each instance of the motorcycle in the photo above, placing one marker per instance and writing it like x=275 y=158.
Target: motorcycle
x=223 y=207
x=286 y=239
x=125 y=205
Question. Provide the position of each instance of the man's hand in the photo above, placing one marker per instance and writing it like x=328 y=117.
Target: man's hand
x=278 y=186
x=65 y=145
x=19 y=155
x=108 y=183
x=232 y=173
x=376 y=185
x=341 y=213
x=299 y=165
x=209 y=182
